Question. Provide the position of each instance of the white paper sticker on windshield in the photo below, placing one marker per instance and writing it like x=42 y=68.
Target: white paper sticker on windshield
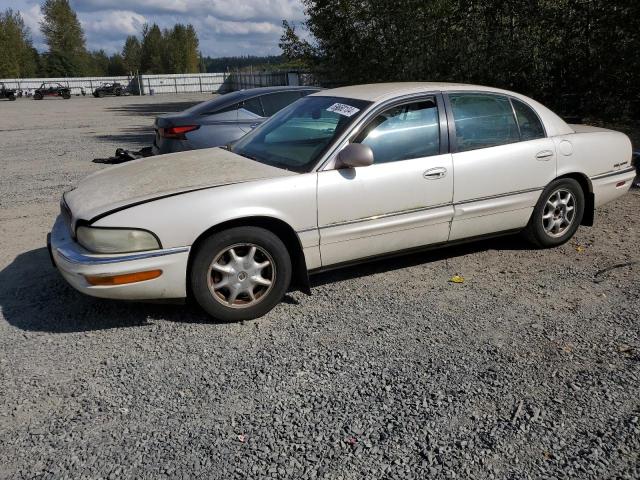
x=342 y=109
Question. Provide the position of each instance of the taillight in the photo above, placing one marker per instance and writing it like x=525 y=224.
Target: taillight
x=178 y=132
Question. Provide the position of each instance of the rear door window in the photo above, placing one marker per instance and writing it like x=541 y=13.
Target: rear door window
x=274 y=102
x=483 y=120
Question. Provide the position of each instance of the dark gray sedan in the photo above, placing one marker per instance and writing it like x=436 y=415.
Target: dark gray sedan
x=223 y=119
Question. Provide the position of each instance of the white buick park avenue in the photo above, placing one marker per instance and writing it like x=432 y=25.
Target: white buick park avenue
x=337 y=177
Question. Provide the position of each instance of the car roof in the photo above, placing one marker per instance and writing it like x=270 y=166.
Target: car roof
x=378 y=92
x=374 y=92
x=229 y=99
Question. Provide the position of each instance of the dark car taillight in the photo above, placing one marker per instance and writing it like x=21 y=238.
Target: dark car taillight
x=177 y=132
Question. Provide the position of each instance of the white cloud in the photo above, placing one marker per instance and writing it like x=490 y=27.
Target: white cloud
x=228 y=27
x=224 y=27
x=114 y=23
x=256 y=10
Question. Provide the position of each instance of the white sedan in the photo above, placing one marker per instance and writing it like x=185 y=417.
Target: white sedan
x=340 y=176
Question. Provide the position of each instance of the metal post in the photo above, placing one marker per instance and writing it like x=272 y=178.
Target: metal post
x=175 y=83
x=200 y=82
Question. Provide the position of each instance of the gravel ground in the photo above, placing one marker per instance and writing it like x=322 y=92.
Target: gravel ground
x=528 y=369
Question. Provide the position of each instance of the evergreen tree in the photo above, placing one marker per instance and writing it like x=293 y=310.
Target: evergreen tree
x=18 y=58
x=131 y=54
x=63 y=33
x=152 y=50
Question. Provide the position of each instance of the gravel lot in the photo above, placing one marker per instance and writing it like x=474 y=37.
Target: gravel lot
x=528 y=369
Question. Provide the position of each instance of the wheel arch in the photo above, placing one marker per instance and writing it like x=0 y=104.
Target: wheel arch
x=589 y=197
x=282 y=229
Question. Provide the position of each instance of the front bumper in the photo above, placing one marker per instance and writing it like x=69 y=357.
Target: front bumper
x=74 y=262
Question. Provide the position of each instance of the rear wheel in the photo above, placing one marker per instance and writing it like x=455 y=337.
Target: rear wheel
x=118 y=92
x=240 y=273
x=66 y=96
x=557 y=214
x=12 y=97
x=37 y=96
x=100 y=94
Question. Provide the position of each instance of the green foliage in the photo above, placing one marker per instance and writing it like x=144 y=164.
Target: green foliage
x=181 y=51
x=62 y=30
x=131 y=54
x=18 y=58
x=153 y=50
x=116 y=66
x=544 y=48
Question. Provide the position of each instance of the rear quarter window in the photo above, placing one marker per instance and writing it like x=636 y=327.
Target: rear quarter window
x=530 y=125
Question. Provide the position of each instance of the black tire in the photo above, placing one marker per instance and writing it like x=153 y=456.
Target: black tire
x=66 y=96
x=537 y=233
x=12 y=98
x=37 y=96
x=215 y=247
x=118 y=92
x=100 y=94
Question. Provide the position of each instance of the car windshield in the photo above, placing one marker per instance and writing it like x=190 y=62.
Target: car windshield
x=296 y=137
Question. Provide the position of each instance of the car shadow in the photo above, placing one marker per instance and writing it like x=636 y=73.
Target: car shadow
x=511 y=242
x=151 y=109
x=127 y=137
x=34 y=297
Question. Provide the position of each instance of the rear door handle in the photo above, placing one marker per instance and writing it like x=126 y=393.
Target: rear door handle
x=545 y=154
x=435 y=173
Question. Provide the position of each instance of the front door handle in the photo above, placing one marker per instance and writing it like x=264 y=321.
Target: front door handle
x=544 y=155
x=435 y=173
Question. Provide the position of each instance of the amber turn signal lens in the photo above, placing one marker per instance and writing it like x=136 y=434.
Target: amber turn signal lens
x=123 y=279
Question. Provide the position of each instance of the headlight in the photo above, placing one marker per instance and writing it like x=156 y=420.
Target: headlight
x=116 y=240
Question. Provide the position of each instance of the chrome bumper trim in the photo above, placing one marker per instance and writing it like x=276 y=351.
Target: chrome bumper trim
x=72 y=256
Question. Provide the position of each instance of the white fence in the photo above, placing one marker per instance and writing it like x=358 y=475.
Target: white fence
x=170 y=83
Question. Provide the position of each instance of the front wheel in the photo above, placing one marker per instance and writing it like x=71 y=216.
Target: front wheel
x=66 y=96
x=37 y=96
x=557 y=214
x=240 y=273
x=12 y=98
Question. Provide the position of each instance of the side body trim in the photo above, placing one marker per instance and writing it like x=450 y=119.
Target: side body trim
x=613 y=173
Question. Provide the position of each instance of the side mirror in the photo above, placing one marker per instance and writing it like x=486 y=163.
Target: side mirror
x=354 y=155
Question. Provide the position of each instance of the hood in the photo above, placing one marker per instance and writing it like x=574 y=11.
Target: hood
x=153 y=177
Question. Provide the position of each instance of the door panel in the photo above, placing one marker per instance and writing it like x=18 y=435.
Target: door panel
x=502 y=162
x=503 y=169
x=493 y=181
x=383 y=208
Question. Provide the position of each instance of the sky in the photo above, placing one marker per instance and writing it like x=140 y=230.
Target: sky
x=225 y=27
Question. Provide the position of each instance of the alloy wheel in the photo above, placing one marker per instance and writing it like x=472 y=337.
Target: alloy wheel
x=559 y=213
x=241 y=275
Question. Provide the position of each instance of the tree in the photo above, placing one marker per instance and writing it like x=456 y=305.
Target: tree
x=543 y=48
x=131 y=54
x=18 y=58
x=116 y=65
x=97 y=64
x=181 y=54
x=152 y=50
x=298 y=52
x=65 y=38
